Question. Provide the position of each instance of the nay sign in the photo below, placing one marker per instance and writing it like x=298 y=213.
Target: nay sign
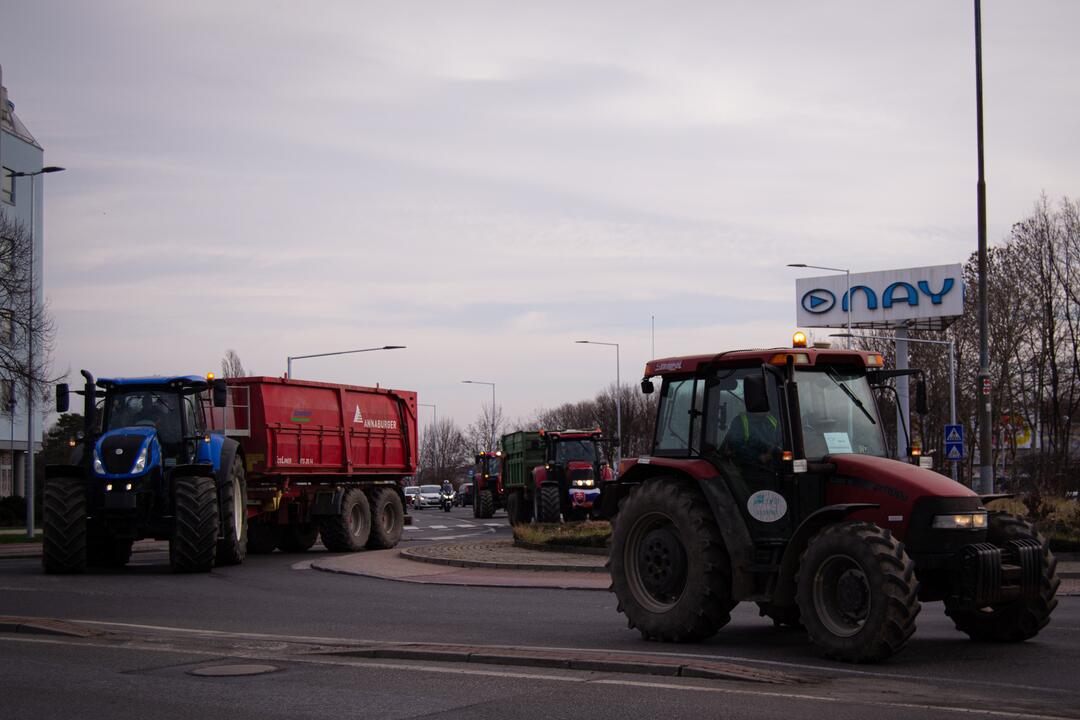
x=882 y=299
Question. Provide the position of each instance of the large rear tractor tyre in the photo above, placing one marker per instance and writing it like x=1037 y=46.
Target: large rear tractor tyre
x=486 y=501
x=513 y=508
x=550 y=505
x=108 y=552
x=349 y=530
x=63 y=515
x=1021 y=619
x=857 y=592
x=783 y=616
x=233 y=545
x=297 y=537
x=669 y=568
x=262 y=537
x=193 y=546
x=387 y=519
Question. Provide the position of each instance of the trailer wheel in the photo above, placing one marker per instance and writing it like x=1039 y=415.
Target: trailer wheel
x=857 y=592
x=108 y=552
x=783 y=616
x=262 y=537
x=387 y=519
x=232 y=547
x=550 y=505
x=1017 y=620
x=513 y=508
x=349 y=530
x=297 y=537
x=669 y=568
x=193 y=546
x=486 y=500
x=63 y=546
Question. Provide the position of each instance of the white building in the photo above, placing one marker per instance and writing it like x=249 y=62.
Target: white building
x=19 y=152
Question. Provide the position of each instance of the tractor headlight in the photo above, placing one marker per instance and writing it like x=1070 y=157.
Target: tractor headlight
x=588 y=482
x=140 y=462
x=960 y=521
x=98 y=467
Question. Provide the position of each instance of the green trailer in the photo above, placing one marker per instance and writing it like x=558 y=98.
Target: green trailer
x=522 y=451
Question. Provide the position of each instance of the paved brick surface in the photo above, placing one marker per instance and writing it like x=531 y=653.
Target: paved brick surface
x=505 y=555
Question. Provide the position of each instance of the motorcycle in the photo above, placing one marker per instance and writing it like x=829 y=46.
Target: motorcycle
x=447 y=501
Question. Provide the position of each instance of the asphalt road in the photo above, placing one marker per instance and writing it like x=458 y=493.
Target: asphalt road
x=279 y=597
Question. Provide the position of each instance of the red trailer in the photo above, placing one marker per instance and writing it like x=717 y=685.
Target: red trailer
x=321 y=459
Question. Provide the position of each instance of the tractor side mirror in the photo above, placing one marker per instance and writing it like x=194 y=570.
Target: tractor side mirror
x=221 y=393
x=757 y=399
x=921 y=405
x=63 y=398
x=647 y=386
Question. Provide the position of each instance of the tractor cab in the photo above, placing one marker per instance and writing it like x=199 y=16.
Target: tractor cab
x=574 y=462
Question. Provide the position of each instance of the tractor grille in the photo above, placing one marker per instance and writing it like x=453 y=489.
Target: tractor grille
x=581 y=474
x=117 y=463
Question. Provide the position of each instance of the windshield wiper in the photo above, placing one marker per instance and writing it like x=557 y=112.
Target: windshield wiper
x=847 y=391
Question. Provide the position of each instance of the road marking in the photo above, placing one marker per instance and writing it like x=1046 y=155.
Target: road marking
x=302 y=565
x=412 y=527
x=494 y=524
x=466 y=525
x=438 y=527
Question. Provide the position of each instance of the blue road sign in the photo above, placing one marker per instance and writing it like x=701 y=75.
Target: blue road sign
x=954 y=442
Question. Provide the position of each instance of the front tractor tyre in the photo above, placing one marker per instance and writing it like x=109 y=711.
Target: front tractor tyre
x=387 y=519
x=1020 y=619
x=857 y=593
x=63 y=546
x=348 y=531
x=233 y=545
x=193 y=546
x=550 y=504
x=485 y=499
x=669 y=567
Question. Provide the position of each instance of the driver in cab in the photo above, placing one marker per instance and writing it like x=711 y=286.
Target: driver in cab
x=753 y=438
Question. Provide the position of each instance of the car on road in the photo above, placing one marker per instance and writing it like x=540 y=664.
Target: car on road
x=464 y=495
x=412 y=493
x=429 y=496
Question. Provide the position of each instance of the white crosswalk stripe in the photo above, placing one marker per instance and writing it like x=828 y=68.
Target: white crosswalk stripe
x=412 y=527
x=494 y=524
x=437 y=527
x=465 y=525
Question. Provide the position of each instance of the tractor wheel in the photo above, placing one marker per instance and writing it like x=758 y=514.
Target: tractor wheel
x=476 y=503
x=550 y=506
x=513 y=508
x=193 y=546
x=1021 y=619
x=857 y=592
x=783 y=616
x=233 y=544
x=262 y=537
x=63 y=514
x=486 y=500
x=349 y=530
x=669 y=568
x=387 y=519
x=297 y=537
x=108 y=552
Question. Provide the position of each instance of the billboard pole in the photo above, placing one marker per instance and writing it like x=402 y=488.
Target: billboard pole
x=986 y=458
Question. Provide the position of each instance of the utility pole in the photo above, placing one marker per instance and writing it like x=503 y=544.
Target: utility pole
x=986 y=456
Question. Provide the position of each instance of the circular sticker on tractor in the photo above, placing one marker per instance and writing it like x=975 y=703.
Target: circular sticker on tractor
x=767 y=506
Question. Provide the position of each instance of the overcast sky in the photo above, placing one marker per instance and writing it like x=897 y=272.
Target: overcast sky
x=488 y=182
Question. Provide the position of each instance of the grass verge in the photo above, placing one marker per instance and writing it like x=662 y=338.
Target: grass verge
x=591 y=533
x=6 y=539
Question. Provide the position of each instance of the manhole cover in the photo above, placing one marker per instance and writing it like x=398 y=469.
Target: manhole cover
x=232 y=670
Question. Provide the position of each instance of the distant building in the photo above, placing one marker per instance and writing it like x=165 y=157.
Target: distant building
x=19 y=152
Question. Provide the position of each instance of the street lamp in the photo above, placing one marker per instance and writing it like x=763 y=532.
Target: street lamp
x=847 y=294
x=288 y=360
x=435 y=425
x=618 y=404
x=29 y=485
x=481 y=382
x=952 y=370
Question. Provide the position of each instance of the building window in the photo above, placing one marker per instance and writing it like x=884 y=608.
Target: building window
x=7 y=397
x=7 y=194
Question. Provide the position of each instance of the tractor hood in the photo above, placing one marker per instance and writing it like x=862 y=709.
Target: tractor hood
x=117 y=452
x=881 y=478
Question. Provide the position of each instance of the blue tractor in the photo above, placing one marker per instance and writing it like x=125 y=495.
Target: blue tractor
x=146 y=467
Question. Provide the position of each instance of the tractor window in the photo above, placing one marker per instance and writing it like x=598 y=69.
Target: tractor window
x=749 y=438
x=567 y=450
x=193 y=415
x=675 y=430
x=833 y=422
x=145 y=408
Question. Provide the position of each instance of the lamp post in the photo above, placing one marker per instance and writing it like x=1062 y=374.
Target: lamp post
x=847 y=293
x=435 y=425
x=986 y=451
x=618 y=403
x=952 y=371
x=481 y=382
x=29 y=485
x=288 y=360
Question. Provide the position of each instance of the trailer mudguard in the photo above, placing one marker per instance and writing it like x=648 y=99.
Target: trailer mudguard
x=828 y=515
x=329 y=502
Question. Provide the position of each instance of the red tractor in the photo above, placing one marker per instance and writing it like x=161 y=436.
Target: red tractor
x=488 y=495
x=770 y=481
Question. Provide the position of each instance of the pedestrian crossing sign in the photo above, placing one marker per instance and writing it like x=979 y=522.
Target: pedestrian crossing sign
x=954 y=443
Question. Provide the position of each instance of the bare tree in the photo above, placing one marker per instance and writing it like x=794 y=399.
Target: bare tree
x=21 y=318
x=638 y=416
x=231 y=366
x=444 y=454
x=485 y=431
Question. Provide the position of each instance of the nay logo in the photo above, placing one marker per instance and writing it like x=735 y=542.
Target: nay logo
x=358 y=417
x=818 y=301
